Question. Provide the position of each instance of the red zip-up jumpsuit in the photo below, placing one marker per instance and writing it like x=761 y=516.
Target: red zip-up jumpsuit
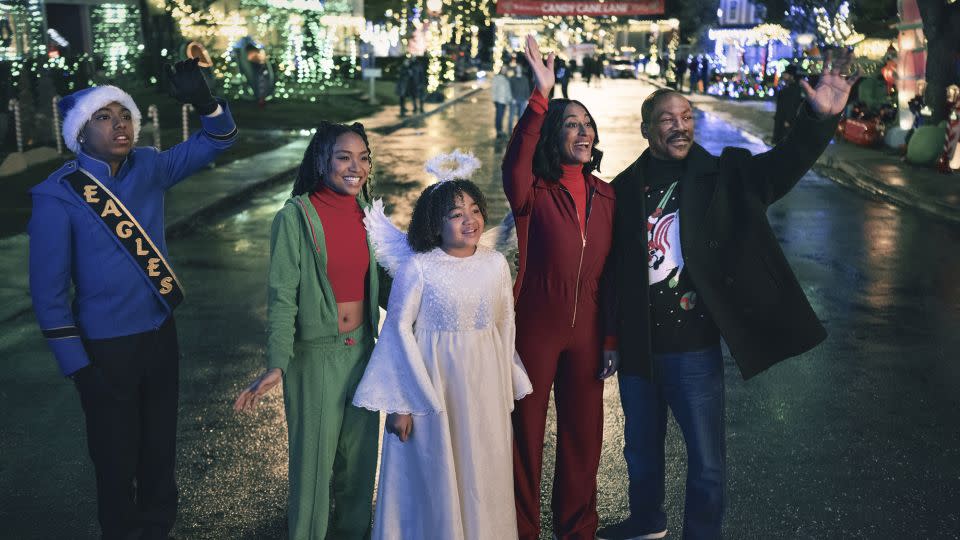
x=559 y=335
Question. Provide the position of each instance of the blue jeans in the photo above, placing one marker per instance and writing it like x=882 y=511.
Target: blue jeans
x=498 y=121
x=516 y=109
x=691 y=385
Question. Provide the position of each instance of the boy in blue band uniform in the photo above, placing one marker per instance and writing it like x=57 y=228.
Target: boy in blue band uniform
x=117 y=338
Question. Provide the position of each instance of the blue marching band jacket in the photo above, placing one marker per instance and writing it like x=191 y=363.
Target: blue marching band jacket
x=91 y=232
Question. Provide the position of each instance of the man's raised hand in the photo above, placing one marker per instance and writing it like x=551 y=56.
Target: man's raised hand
x=831 y=94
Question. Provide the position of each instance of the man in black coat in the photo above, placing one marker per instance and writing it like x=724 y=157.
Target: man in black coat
x=789 y=99
x=682 y=287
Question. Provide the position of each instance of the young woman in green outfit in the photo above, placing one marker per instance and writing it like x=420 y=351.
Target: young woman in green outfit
x=323 y=312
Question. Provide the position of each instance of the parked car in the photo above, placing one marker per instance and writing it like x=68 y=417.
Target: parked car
x=622 y=68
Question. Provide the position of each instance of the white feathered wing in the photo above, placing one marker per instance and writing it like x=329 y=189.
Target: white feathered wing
x=389 y=242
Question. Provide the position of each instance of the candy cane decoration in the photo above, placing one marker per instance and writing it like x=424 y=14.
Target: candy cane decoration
x=56 y=125
x=187 y=108
x=953 y=132
x=950 y=144
x=14 y=106
x=154 y=115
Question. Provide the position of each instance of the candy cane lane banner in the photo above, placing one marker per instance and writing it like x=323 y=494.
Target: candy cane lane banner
x=579 y=7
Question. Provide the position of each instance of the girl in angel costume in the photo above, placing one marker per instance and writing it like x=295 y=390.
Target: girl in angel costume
x=444 y=369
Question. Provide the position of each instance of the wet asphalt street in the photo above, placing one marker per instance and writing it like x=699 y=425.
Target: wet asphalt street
x=858 y=438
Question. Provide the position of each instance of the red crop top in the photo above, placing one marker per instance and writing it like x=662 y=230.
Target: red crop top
x=348 y=258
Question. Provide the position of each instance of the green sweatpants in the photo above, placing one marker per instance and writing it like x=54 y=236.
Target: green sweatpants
x=333 y=445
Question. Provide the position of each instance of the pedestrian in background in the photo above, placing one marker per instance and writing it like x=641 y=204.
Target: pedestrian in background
x=588 y=68
x=519 y=92
x=705 y=74
x=564 y=220
x=563 y=76
x=789 y=98
x=680 y=70
x=501 y=99
x=406 y=85
x=600 y=68
x=98 y=223
x=693 y=64
x=323 y=309
x=418 y=75
x=712 y=269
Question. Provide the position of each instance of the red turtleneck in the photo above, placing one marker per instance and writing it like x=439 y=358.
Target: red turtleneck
x=348 y=258
x=573 y=180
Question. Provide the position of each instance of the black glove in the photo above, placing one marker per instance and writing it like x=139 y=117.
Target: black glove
x=187 y=85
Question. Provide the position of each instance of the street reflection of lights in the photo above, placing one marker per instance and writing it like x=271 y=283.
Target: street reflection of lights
x=882 y=238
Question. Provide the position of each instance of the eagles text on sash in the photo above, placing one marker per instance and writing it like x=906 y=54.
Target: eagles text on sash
x=125 y=229
x=130 y=234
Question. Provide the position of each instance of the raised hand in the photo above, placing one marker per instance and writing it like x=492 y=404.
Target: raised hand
x=542 y=74
x=187 y=85
x=831 y=94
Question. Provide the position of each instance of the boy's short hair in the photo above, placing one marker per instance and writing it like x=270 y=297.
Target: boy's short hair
x=431 y=210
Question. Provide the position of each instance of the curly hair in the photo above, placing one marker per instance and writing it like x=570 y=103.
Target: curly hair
x=431 y=210
x=316 y=158
x=546 y=157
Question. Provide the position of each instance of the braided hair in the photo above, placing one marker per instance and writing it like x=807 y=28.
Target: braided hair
x=316 y=158
x=546 y=156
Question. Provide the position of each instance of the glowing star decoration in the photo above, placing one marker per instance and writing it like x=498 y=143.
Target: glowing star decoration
x=452 y=166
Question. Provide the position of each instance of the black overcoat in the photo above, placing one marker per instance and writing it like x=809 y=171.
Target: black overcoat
x=729 y=250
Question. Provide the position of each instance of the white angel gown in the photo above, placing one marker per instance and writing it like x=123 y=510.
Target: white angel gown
x=446 y=355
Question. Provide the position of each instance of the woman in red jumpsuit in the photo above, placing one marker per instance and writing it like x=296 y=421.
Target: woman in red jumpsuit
x=564 y=218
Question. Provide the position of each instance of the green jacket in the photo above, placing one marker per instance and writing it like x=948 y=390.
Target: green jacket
x=300 y=302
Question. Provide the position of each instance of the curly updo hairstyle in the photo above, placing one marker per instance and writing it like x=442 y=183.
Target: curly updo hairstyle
x=546 y=156
x=430 y=212
x=317 y=156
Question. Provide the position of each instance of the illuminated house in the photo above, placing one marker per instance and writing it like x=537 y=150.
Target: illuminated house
x=741 y=40
x=309 y=44
x=106 y=33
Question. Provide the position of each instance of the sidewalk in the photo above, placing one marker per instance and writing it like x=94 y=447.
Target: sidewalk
x=874 y=170
x=211 y=190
